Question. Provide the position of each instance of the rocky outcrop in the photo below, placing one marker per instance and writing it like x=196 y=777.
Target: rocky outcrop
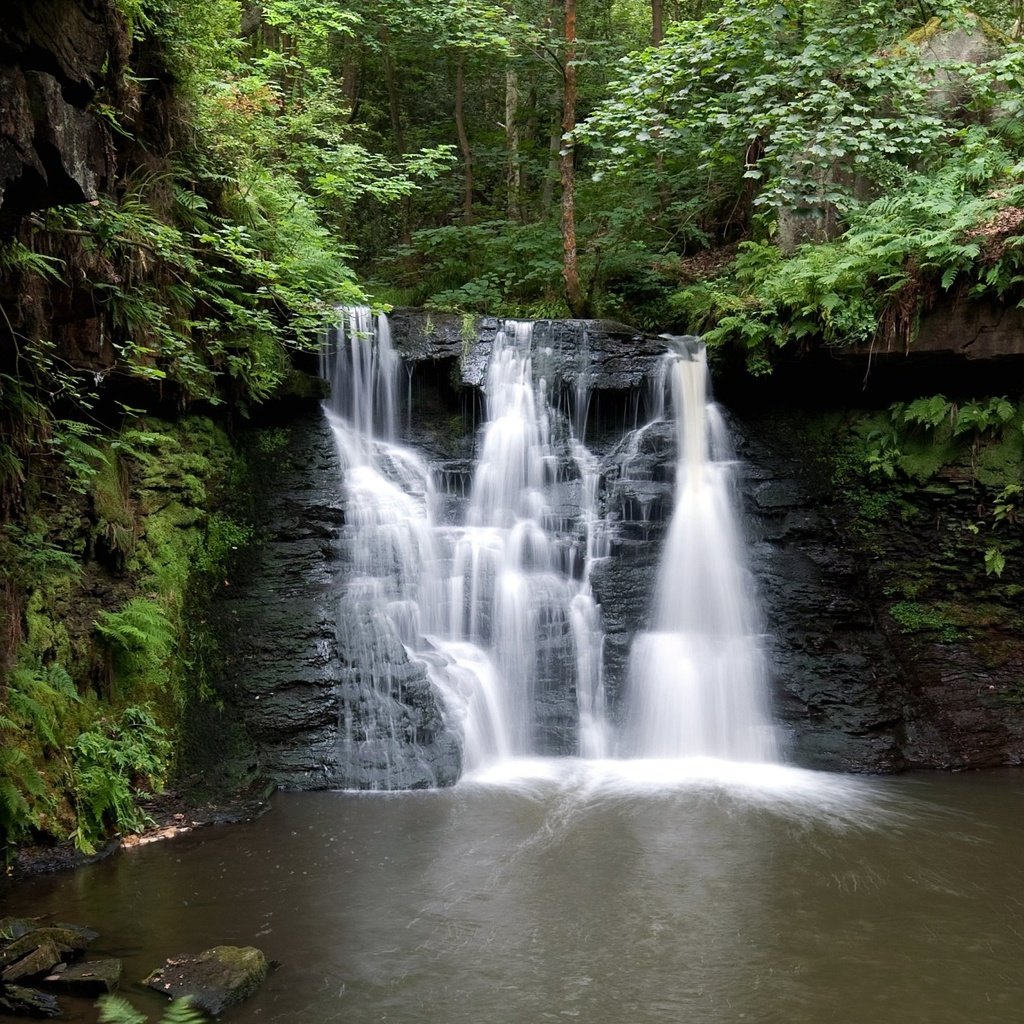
x=836 y=684
x=855 y=688
x=601 y=355
x=891 y=648
x=974 y=331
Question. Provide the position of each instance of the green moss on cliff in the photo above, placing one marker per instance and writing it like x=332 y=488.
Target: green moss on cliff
x=927 y=492
x=110 y=646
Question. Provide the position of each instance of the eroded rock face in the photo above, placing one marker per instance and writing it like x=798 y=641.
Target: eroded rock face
x=603 y=355
x=851 y=690
x=54 y=55
x=836 y=684
x=860 y=685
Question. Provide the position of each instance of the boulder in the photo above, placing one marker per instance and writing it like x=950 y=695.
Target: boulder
x=38 y=960
x=215 y=979
x=65 y=939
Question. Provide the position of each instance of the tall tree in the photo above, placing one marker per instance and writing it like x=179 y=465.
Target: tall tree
x=657 y=20
x=570 y=264
x=514 y=174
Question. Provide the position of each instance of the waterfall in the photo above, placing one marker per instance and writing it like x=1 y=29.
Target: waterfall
x=491 y=606
x=496 y=610
x=697 y=680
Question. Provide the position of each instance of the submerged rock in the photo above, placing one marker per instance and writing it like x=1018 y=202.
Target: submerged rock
x=28 y=1002
x=88 y=978
x=214 y=979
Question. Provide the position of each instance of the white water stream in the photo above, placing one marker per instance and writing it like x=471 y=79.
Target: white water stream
x=697 y=680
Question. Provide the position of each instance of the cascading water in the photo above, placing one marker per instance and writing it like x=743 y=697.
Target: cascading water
x=697 y=680
x=498 y=611
x=495 y=610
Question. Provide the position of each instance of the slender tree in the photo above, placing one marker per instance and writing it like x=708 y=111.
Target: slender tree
x=570 y=265
x=657 y=19
x=460 y=131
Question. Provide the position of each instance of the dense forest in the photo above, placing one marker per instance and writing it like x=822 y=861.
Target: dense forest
x=781 y=177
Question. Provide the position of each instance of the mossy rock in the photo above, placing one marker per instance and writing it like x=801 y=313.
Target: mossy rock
x=63 y=939
x=215 y=979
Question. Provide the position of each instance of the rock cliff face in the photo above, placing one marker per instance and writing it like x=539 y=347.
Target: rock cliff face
x=55 y=57
x=892 y=647
x=309 y=683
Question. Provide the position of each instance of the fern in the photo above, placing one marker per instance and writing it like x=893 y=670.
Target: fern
x=926 y=412
x=937 y=230
x=111 y=762
x=140 y=639
x=20 y=787
x=81 y=458
x=38 y=700
x=117 y=1010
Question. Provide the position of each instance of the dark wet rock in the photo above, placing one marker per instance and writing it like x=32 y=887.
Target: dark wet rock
x=54 y=148
x=602 y=354
x=836 y=686
x=213 y=980
x=854 y=688
x=44 y=957
x=87 y=978
x=28 y=1002
x=65 y=940
x=420 y=335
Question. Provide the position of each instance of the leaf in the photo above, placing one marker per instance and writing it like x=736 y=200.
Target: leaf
x=995 y=562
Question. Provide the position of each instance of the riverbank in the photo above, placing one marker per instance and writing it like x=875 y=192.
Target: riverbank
x=170 y=814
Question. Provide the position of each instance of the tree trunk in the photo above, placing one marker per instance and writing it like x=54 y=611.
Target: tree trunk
x=657 y=19
x=394 y=107
x=460 y=128
x=352 y=74
x=514 y=174
x=547 y=196
x=570 y=268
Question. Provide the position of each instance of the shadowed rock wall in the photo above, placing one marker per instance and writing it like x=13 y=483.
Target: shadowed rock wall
x=854 y=690
x=308 y=682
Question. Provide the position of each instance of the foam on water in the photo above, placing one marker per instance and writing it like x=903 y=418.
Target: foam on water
x=838 y=800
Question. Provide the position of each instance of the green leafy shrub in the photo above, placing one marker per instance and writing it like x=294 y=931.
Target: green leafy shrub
x=873 y=283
